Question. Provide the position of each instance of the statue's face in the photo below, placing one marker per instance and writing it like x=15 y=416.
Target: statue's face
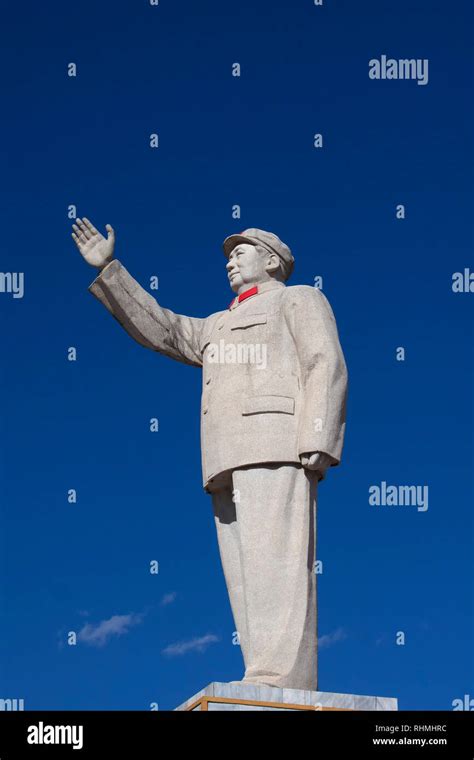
x=246 y=266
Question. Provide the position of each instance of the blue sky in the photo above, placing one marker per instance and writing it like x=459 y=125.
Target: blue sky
x=223 y=140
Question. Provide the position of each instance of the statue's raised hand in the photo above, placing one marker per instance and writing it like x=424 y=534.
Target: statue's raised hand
x=94 y=247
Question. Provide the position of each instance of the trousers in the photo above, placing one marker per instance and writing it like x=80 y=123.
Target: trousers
x=265 y=519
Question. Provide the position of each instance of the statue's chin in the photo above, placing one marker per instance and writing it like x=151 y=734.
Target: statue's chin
x=235 y=283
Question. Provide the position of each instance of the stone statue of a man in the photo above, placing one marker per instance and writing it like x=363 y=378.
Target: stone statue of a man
x=272 y=422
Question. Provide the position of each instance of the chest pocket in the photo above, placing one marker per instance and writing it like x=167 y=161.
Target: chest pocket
x=248 y=320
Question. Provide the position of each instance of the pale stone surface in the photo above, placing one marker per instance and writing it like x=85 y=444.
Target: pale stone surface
x=290 y=400
x=264 y=693
x=273 y=419
x=269 y=571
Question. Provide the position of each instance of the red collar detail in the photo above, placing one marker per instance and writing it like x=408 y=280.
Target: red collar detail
x=246 y=294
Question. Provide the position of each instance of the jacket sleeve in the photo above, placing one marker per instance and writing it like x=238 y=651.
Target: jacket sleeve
x=323 y=371
x=159 y=329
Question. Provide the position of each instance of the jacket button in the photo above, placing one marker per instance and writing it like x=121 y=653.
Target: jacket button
x=208 y=380
x=205 y=410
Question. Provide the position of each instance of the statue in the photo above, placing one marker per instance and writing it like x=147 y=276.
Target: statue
x=272 y=423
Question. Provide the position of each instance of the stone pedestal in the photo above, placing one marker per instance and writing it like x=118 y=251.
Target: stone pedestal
x=240 y=696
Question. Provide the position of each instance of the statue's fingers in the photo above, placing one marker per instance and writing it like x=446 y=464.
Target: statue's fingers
x=110 y=232
x=84 y=229
x=90 y=226
x=81 y=238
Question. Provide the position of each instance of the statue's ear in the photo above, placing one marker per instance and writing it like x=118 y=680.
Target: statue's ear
x=273 y=263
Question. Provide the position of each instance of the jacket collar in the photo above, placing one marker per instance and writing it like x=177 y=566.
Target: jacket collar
x=255 y=290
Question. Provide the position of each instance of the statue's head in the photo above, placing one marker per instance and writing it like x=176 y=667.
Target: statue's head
x=256 y=256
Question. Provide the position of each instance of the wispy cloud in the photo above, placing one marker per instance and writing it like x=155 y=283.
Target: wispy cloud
x=168 y=598
x=331 y=638
x=193 y=645
x=99 y=634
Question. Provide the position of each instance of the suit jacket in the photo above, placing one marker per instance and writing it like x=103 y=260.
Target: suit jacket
x=274 y=375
